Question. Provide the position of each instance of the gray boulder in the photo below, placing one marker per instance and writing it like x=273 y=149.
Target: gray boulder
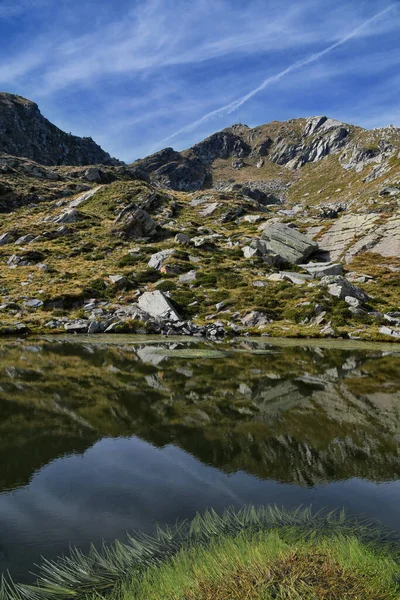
x=157 y=260
x=135 y=223
x=77 y=326
x=388 y=331
x=182 y=238
x=255 y=318
x=318 y=270
x=118 y=281
x=70 y=216
x=156 y=304
x=34 y=303
x=341 y=288
x=289 y=243
x=25 y=239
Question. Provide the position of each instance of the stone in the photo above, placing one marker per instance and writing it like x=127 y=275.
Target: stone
x=15 y=328
x=252 y=218
x=390 y=191
x=187 y=277
x=341 y=288
x=318 y=270
x=135 y=223
x=220 y=305
x=83 y=197
x=70 y=216
x=16 y=261
x=388 y=331
x=296 y=278
x=24 y=239
x=118 y=281
x=182 y=238
x=94 y=327
x=287 y=242
x=34 y=303
x=353 y=302
x=255 y=318
x=249 y=252
x=156 y=260
x=77 y=326
x=276 y=277
x=156 y=304
x=6 y=238
x=94 y=174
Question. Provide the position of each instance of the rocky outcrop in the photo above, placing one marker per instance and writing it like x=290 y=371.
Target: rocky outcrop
x=25 y=132
x=171 y=169
x=264 y=192
x=352 y=234
x=223 y=144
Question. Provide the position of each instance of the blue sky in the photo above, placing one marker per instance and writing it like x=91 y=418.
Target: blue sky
x=139 y=75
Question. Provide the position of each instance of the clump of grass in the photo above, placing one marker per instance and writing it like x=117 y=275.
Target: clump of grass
x=129 y=259
x=166 y=286
x=260 y=554
x=266 y=566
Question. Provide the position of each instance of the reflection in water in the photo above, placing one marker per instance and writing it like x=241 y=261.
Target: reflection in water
x=99 y=439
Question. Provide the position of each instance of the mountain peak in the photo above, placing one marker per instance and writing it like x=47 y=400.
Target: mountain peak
x=24 y=132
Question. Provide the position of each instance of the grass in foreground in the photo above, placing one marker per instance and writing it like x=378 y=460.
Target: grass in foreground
x=265 y=566
x=253 y=554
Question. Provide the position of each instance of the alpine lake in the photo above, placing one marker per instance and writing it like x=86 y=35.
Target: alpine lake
x=104 y=435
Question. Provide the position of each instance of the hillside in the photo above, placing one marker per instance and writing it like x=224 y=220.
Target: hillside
x=26 y=133
x=287 y=229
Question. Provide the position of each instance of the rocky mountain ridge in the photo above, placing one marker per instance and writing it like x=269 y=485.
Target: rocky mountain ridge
x=24 y=132
x=291 y=144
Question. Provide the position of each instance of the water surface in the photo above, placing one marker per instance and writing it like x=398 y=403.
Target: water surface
x=103 y=435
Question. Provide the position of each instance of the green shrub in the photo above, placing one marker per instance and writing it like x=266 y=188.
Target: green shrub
x=129 y=259
x=166 y=286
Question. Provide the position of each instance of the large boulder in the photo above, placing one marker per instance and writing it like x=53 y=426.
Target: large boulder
x=341 y=288
x=292 y=245
x=156 y=304
x=135 y=224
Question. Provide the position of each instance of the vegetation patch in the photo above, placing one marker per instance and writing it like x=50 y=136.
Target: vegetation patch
x=259 y=554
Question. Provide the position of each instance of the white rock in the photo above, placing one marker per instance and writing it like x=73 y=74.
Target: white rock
x=156 y=304
x=157 y=259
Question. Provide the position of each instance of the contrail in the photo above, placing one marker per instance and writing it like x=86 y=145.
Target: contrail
x=232 y=106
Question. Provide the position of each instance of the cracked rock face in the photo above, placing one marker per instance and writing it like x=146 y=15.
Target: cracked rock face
x=352 y=234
